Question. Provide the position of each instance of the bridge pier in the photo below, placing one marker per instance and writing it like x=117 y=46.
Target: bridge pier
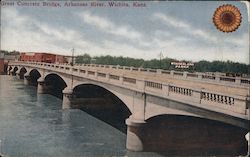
x=8 y=70
x=134 y=134
x=26 y=79
x=12 y=72
x=67 y=99
x=41 y=87
x=18 y=75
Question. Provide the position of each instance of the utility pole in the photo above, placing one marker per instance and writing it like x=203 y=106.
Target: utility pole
x=0 y=147
x=72 y=65
x=72 y=60
x=161 y=56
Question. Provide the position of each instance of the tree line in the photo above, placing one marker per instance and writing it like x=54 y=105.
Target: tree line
x=165 y=63
x=10 y=52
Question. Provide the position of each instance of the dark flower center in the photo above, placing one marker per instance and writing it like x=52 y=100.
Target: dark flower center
x=227 y=18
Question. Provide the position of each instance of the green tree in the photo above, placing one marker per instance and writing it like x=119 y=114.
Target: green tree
x=201 y=66
x=84 y=59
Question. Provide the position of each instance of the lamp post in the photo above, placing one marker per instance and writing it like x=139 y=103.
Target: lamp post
x=72 y=65
x=161 y=56
x=0 y=147
x=72 y=60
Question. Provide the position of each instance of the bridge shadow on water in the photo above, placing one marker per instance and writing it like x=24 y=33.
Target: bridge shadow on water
x=102 y=104
x=192 y=136
x=115 y=117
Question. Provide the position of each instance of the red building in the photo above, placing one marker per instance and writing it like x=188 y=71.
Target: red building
x=1 y=66
x=43 y=57
x=61 y=59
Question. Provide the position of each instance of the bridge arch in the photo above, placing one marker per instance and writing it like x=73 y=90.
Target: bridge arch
x=55 y=84
x=9 y=69
x=65 y=79
x=154 y=110
x=23 y=70
x=34 y=76
x=15 y=69
x=102 y=103
x=126 y=100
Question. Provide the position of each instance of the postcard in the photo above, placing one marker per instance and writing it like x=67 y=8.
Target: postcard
x=124 y=78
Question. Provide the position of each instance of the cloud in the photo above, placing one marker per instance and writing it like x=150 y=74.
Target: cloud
x=225 y=47
x=183 y=41
x=186 y=28
x=28 y=34
x=183 y=26
x=170 y=20
x=171 y=48
x=17 y=34
x=107 y=26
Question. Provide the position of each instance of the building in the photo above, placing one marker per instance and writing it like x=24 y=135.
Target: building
x=69 y=59
x=5 y=59
x=1 y=64
x=61 y=59
x=8 y=58
x=42 y=57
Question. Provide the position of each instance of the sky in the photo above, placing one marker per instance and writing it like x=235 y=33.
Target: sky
x=179 y=30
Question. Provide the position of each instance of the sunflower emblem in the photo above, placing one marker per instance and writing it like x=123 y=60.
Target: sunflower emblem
x=227 y=18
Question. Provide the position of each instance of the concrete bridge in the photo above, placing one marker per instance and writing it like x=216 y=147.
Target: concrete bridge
x=174 y=112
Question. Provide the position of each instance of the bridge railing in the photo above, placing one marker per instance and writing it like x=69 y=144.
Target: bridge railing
x=200 y=97
x=213 y=78
x=234 y=103
x=184 y=75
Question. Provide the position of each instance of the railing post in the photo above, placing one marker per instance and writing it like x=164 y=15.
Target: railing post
x=172 y=72
x=140 y=85
x=121 y=79
x=241 y=105
x=96 y=74
x=165 y=90
x=217 y=78
x=158 y=71
x=107 y=76
x=185 y=74
x=79 y=71
x=131 y=68
x=237 y=80
x=197 y=96
x=71 y=69
x=199 y=76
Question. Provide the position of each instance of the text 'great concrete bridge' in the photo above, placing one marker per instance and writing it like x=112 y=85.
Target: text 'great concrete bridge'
x=164 y=110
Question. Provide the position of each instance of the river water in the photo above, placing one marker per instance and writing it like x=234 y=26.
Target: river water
x=33 y=125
